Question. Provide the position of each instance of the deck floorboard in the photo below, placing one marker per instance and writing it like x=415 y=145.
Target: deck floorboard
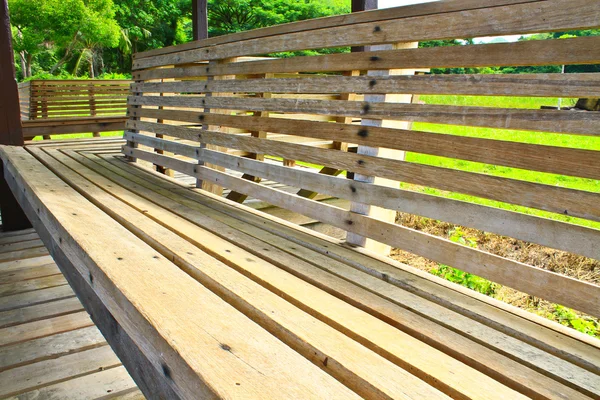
x=49 y=347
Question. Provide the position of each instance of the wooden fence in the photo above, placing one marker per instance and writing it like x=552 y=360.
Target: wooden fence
x=72 y=106
x=198 y=100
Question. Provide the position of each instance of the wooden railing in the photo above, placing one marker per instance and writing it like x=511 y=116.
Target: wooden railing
x=70 y=106
x=196 y=101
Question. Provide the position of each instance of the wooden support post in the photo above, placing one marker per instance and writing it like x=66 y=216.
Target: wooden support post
x=92 y=99
x=206 y=185
x=11 y=132
x=336 y=145
x=240 y=197
x=365 y=209
x=199 y=19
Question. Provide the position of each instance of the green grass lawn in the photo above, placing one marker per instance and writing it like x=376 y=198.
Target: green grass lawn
x=543 y=138
x=86 y=135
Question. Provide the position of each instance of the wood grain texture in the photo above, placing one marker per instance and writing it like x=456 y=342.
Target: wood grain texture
x=583 y=123
x=583 y=50
x=515 y=19
x=560 y=288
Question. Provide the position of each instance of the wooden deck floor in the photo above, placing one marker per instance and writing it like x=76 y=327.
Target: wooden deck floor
x=49 y=346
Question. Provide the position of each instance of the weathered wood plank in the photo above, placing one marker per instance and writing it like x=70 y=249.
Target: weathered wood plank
x=543 y=158
x=555 y=287
x=550 y=198
x=583 y=50
x=373 y=376
x=44 y=373
x=114 y=381
x=542 y=85
x=514 y=19
x=54 y=308
x=348 y=19
x=272 y=248
x=50 y=347
x=280 y=368
x=40 y=296
x=32 y=285
x=583 y=123
x=554 y=338
x=46 y=327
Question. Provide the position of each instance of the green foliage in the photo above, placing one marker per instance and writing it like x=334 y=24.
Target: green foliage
x=228 y=16
x=474 y=282
x=569 y=318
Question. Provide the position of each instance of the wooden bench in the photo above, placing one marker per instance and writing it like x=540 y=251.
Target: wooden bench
x=206 y=297
x=72 y=106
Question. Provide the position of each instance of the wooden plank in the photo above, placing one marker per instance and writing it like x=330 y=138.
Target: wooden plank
x=147 y=376
x=45 y=327
x=543 y=158
x=265 y=248
x=21 y=254
x=558 y=15
x=583 y=50
x=372 y=375
x=530 y=328
x=11 y=266
x=582 y=123
x=50 y=347
x=45 y=373
x=32 y=285
x=567 y=237
x=114 y=381
x=542 y=283
x=550 y=198
x=341 y=20
x=40 y=296
x=22 y=245
x=535 y=85
x=60 y=128
x=379 y=213
x=53 y=308
x=276 y=362
x=8 y=234
x=25 y=274
x=18 y=238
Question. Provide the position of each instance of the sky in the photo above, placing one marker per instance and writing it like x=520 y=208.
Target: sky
x=398 y=3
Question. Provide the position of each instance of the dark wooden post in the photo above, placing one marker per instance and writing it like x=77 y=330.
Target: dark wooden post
x=11 y=133
x=362 y=5
x=199 y=19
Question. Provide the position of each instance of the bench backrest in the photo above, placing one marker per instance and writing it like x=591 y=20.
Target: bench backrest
x=43 y=99
x=213 y=110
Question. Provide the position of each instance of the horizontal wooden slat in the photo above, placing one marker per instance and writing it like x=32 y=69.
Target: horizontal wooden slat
x=557 y=15
x=550 y=198
x=542 y=283
x=542 y=85
x=583 y=50
x=326 y=22
x=174 y=336
x=558 y=160
x=583 y=123
x=556 y=234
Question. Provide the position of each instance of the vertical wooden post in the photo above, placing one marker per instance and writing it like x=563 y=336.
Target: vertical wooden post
x=199 y=19
x=241 y=197
x=11 y=132
x=206 y=185
x=92 y=100
x=366 y=209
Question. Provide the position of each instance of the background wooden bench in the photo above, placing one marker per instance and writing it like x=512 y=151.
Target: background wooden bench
x=72 y=106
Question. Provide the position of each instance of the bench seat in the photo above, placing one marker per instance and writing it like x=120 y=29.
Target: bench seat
x=210 y=298
x=48 y=126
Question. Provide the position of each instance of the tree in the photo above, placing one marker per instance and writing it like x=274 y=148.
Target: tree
x=61 y=26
